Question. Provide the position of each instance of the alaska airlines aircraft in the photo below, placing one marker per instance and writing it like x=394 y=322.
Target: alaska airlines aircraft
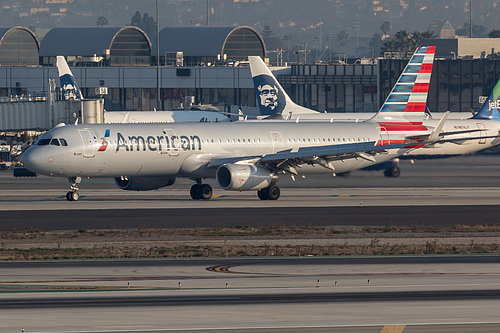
x=463 y=136
x=242 y=156
x=72 y=91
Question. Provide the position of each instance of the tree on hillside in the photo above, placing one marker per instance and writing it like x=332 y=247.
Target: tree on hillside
x=342 y=38
x=102 y=21
x=494 y=33
x=385 y=27
x=478 y=31
x=146 y=22
x=272 y=42
x=375 y=44
x=403 y=41
x=136 y=19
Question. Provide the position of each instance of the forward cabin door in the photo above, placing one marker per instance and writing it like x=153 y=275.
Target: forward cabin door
x=88 y=143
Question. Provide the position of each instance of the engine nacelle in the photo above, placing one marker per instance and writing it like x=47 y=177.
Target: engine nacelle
x=143 y=183
x=236 y=177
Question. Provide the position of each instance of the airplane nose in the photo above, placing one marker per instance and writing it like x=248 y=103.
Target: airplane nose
x=31 y=159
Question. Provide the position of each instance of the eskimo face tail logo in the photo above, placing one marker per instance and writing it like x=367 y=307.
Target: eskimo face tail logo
x=104 y=144
x=269 y=97
x=69 y=87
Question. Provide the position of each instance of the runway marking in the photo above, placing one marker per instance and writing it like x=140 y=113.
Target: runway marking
x=343 y=195
x=393 y=329
x=225 y=269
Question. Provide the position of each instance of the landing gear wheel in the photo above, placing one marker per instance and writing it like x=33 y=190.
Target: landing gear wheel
x=72 y=196
x=195 y=192
x=269 y=193
x=205 y=192
x=274 y=193
x=263 y=193
x=392 y=172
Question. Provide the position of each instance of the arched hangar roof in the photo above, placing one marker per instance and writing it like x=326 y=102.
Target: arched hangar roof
x=237 y=42
x=18 y=46
x=129 y=41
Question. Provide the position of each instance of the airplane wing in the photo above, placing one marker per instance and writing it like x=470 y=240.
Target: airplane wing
x=286 y=160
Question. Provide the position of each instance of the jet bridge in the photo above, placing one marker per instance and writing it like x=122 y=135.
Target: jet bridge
x=44 y=115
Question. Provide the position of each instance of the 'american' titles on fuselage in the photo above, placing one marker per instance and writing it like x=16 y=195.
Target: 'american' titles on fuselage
x=158 y=143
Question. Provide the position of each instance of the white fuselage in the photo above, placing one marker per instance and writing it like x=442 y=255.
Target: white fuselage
x=115 y=150
x=471 y=143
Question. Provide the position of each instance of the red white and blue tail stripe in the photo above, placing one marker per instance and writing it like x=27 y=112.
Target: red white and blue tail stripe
x=401 y=116
x=407 y=100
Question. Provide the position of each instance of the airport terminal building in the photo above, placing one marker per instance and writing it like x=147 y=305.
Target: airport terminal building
x=207 y=65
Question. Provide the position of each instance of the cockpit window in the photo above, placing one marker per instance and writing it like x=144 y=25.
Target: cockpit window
x=55 y=142
x=43 y=142
x=63 y=142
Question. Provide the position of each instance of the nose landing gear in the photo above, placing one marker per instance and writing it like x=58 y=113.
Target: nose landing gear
x=73 y=195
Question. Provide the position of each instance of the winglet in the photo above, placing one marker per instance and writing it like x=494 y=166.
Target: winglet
x=68 y=83
x=434 y=136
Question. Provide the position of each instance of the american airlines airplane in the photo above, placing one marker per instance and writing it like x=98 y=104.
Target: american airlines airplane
x=463 y=136
x=242 y=156
x=72 y=91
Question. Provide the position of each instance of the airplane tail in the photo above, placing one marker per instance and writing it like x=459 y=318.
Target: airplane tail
x=68 y=83
x=408 y=97
x=489 y=109
x=271 y=97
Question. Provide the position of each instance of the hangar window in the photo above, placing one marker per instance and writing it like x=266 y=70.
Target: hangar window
x=130 y=48
x=241 y=43
x=18 y=47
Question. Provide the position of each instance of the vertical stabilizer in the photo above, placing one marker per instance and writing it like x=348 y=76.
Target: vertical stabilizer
x=271 y=97
x=408 y=97
x=68 y=83
x=489 y=110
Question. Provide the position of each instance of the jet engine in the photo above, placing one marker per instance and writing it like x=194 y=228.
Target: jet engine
x=143 y=183
x=236 y=177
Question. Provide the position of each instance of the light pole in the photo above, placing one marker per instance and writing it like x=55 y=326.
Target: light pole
x=287 y=38
x=330 y=38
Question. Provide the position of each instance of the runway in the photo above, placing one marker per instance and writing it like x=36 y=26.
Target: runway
x=397 y=294
x=332 y=294
x=462 y=190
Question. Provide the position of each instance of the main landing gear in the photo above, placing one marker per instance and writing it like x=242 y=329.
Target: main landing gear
x=269 y=193
x=73 y=195
x=393 y=171
x=201 y=191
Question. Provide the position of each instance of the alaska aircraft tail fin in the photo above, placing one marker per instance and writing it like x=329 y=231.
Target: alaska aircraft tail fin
x=68 y=83
x=408 y=97
x=271 y=97
x=489 y=109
